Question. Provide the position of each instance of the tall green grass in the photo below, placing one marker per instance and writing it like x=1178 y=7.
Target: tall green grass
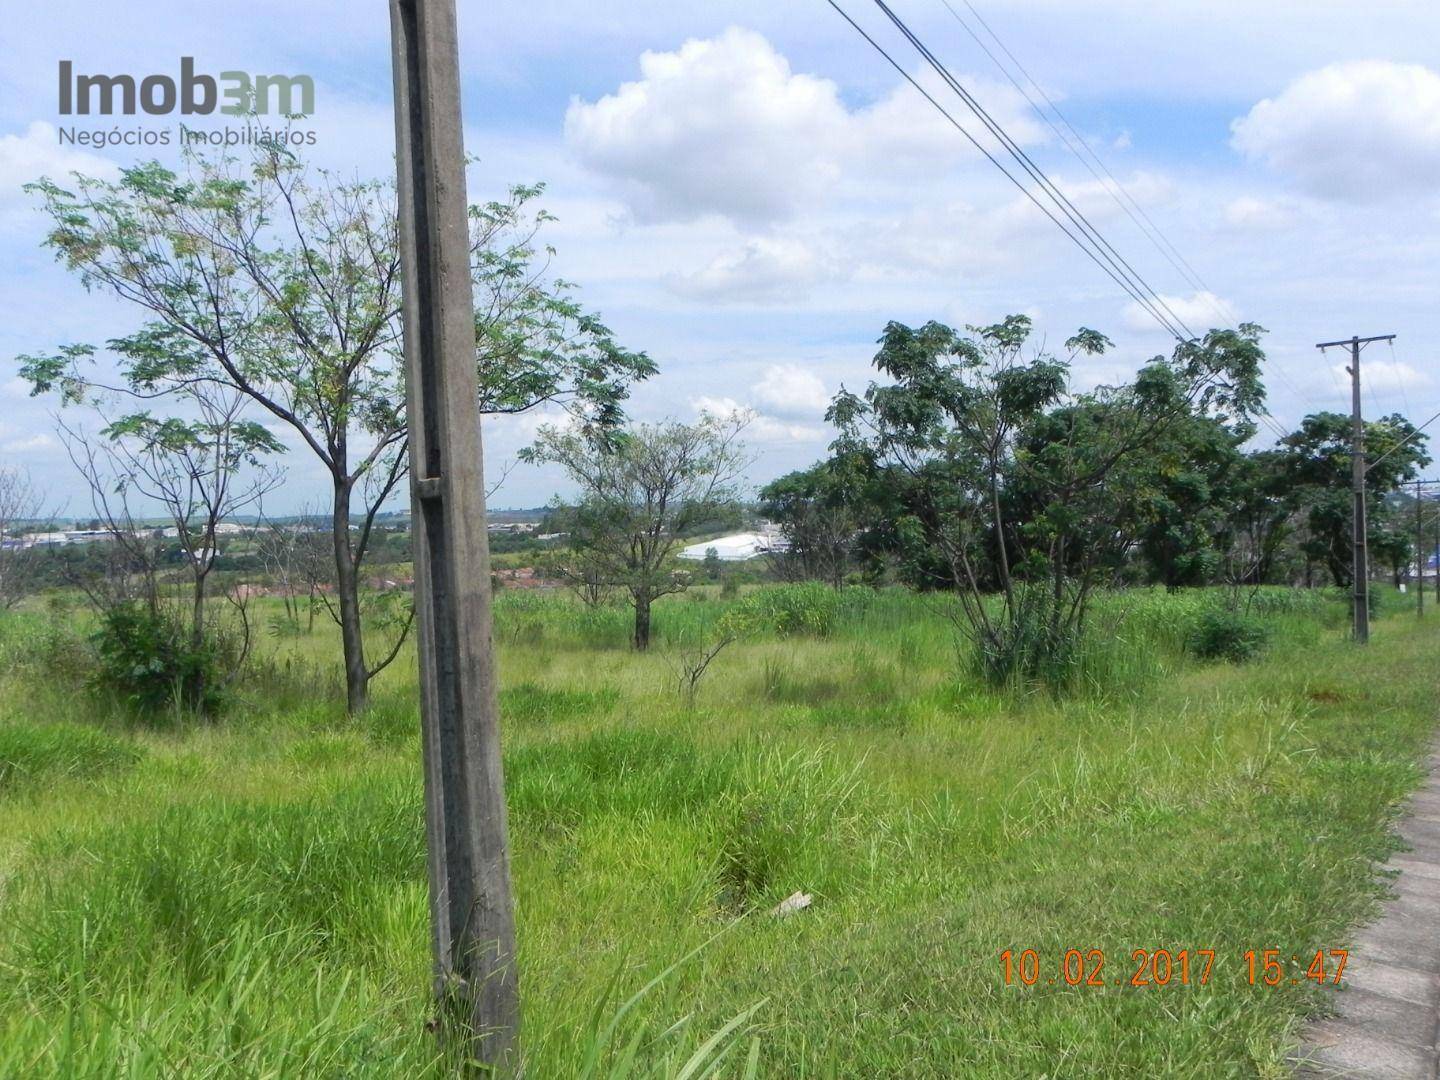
x=248 y=897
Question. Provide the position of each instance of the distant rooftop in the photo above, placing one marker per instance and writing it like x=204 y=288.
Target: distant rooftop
x=737 y=547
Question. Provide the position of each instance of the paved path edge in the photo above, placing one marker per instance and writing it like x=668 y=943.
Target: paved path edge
x=1388 y=1011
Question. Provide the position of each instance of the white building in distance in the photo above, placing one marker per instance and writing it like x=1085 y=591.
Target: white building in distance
x=737 y=547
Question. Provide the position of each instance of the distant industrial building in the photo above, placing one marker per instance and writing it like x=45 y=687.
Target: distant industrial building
x=738 y=547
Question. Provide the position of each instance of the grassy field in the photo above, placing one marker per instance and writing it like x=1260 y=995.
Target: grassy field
x=247 y=898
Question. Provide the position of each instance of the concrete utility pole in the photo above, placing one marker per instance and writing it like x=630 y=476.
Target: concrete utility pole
x=472 y=920
x=1359 y=533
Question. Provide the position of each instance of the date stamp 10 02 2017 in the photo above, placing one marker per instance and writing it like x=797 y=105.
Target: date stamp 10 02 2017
x=1170 y=967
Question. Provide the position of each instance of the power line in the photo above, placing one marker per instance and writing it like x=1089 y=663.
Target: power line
x=1151 y=299
x=1403 y=441
x=1399 y=380
x=1110 y=182
x=1274 y=425
x=1076 y=240
x=1089 y=240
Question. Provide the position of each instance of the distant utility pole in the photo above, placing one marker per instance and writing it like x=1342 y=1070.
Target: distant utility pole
x=1359 y=534
x=472 y=919
x=1419 y=548
x=1423 y=557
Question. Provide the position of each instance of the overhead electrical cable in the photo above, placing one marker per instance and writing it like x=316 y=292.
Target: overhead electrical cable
x=1151 y=299
x=1095 y=245
x=1083 y=244
x=1075 y=142
x=1402 y=442
x=1399 y=377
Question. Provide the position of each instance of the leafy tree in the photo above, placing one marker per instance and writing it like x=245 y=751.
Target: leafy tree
x=198 y=472
x=1392 y=540
x=828 y=515
x=1017 y=480
x=1317 y=468
x=1184 y=487
x=1260 y=514
x=283 y=284
x=640 y=490
x=195 y=473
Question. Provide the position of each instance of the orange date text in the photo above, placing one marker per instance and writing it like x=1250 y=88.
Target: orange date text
x=1140 y=968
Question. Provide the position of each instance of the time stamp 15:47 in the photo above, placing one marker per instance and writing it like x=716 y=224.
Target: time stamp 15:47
x=1170 y=967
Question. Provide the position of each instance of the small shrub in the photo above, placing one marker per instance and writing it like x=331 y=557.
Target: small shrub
x=147 y=661
x=805 y=610
x=1030 y=644
x=1222 y=634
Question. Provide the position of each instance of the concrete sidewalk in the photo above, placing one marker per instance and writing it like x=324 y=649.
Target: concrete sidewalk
x=1389 y=1009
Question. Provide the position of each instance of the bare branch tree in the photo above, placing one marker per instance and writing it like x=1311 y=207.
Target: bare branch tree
x=21 y=507
x=195 y=473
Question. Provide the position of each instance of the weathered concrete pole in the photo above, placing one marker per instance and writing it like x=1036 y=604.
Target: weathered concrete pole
x=470 y=905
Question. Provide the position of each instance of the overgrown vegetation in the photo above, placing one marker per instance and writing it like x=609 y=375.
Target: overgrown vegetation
x=248 y=895
x=1222 y=633
x=269 y=282
x=971 y=466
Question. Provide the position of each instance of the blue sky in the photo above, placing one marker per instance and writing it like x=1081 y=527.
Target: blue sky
x=749 y=194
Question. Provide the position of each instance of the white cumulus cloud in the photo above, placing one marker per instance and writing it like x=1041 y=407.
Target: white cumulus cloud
x=37 y=153
x=760 y=428
x=790 y=390
x=766 y=270
x=31 y=444
x=1359 y=130
x=1384 y=376
x=725 y=126
x=720 y=125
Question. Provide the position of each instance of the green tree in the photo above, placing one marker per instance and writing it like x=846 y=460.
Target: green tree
x=198 y=472
x=1317 y=468
x=1392 y=540
x=641 y=489
x=195 y=473
x=828 y=515
x=1015 y=479
x=1185 y=486
x=283 y=283
x=1260 y=518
